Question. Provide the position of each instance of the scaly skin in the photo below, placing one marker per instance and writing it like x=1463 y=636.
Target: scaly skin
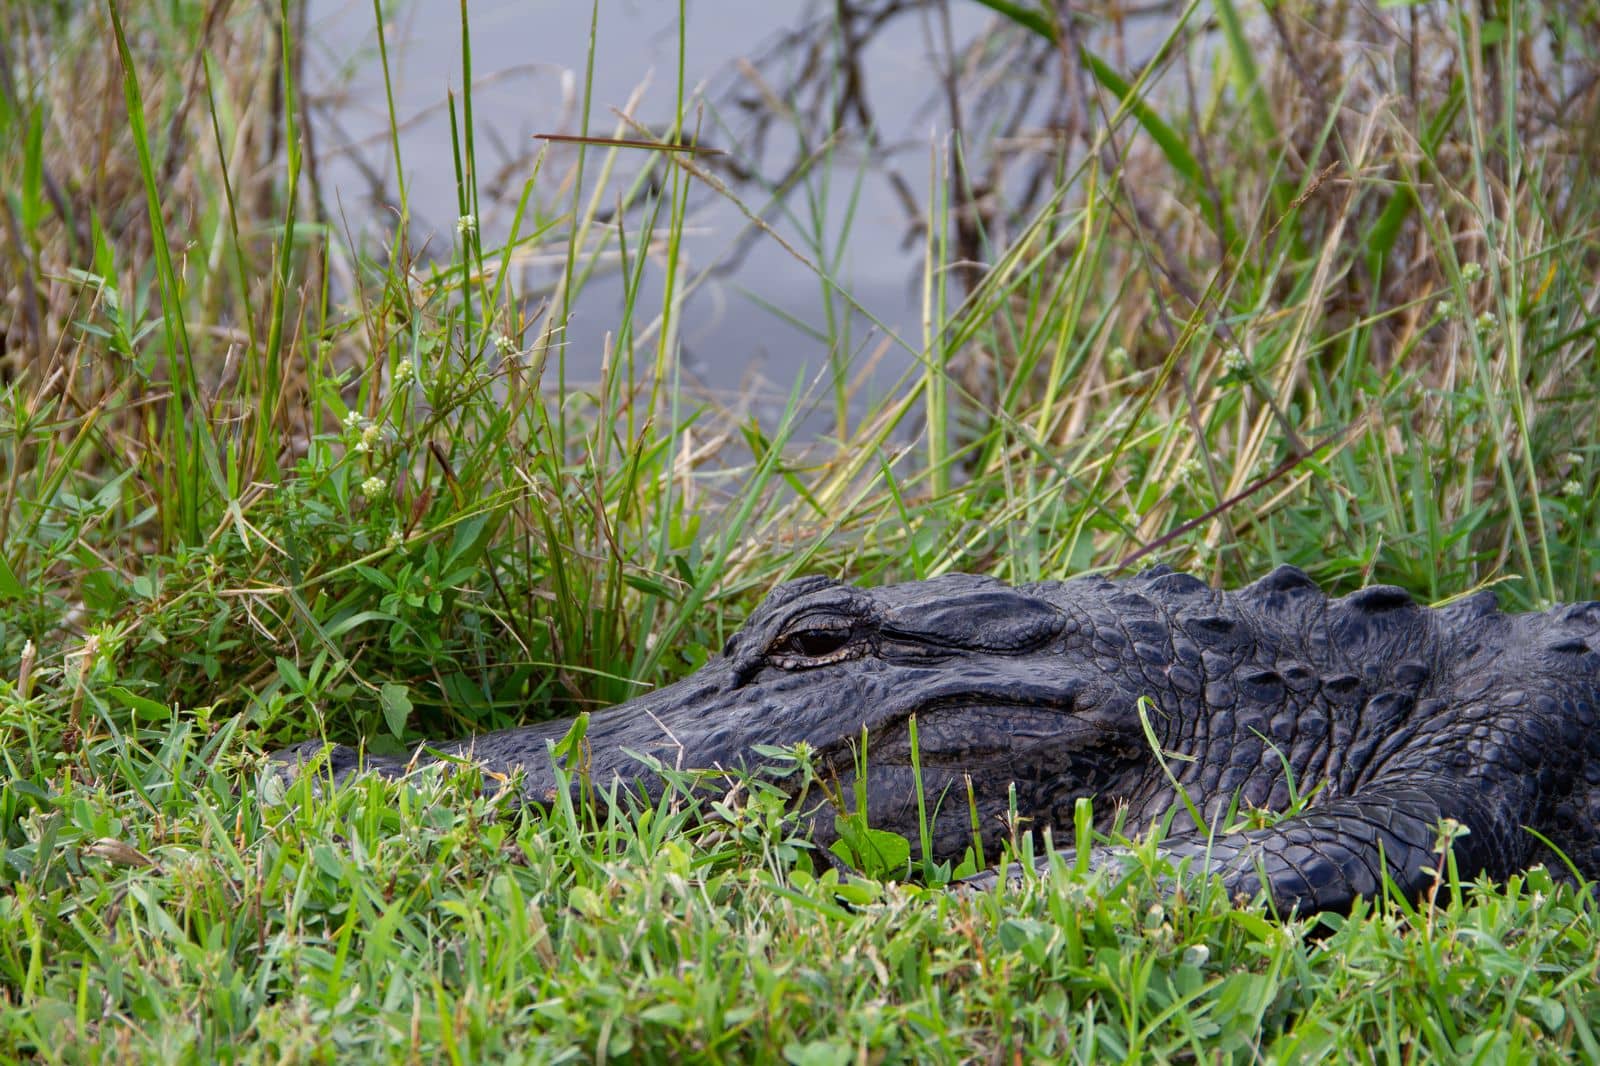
x=1397 y=717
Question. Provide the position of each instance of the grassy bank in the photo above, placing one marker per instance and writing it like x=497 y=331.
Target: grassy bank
x=261 y=480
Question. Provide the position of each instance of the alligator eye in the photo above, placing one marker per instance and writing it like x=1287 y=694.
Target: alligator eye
x=813 y=643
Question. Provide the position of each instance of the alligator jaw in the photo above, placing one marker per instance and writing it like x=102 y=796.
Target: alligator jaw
x=973 y=740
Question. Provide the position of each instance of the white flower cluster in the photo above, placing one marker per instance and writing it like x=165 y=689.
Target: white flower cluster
x=365 y=432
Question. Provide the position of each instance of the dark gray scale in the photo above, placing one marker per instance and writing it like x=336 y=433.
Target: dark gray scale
x=1170 y=585
x=1283 y=584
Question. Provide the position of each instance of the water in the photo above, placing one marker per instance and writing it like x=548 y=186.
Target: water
x=761 y=321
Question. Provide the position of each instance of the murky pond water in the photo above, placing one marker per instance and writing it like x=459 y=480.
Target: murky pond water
x=765 y=314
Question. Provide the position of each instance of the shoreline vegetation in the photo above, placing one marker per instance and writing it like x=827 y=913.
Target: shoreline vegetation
x=1319 y=285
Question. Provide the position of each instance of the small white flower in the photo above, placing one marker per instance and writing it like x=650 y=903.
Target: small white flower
x=1444 y=309
x=370 y=435
x=402 y=372
x=467 y=225
x=1572 y=459
x=397 y=537
x=1487 y=322
x=361 y=447
x=353 y=420
x=504 y=344
x=1572 y=487
x=1471 y=272
x=373 y=486
x=1233 y=359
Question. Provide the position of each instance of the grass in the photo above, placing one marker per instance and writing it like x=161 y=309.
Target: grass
x=259 y=482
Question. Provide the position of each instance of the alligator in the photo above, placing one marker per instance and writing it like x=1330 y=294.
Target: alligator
x=1411 y=729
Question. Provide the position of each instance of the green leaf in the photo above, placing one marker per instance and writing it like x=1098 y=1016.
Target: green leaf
x=649 y=586
x=377 y=577
x=32 y=203
x=1254 y=924
x=291 y=675
x=142 y=706
x=469 y=541
x=1034 y=20
x=570 y=746
x=344 y=625
x=672 y=1014
x=858 y=891
x=875 y=852
x=10 y=587
x=818 y=1053
x=396 y=700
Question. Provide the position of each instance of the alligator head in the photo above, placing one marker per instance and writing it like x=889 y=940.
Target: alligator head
x=988 y=672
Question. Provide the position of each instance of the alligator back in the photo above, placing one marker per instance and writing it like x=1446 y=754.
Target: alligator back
x=1392 y=715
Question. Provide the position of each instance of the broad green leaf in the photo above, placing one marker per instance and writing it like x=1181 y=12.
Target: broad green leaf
x=396 y=702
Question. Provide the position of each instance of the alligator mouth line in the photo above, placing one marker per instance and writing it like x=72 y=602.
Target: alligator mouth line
x=948 y=740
